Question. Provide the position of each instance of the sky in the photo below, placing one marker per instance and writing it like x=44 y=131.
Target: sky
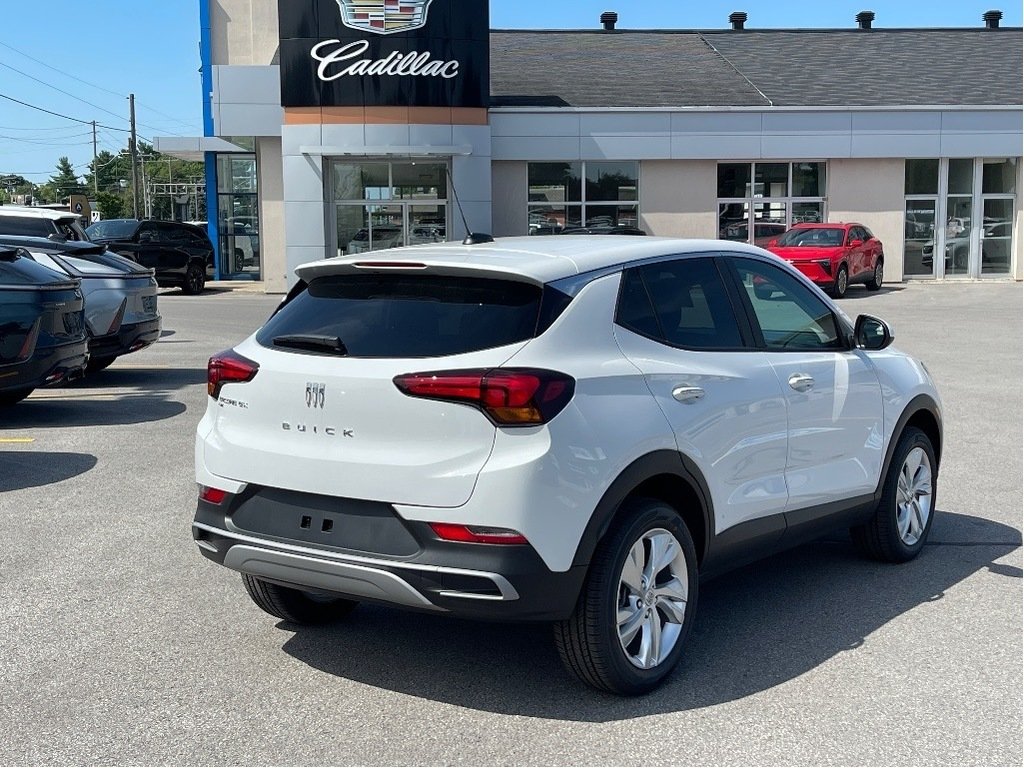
x=82 y=60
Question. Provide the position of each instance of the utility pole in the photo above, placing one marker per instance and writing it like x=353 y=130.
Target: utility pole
x=95 y=163
x=133 y=147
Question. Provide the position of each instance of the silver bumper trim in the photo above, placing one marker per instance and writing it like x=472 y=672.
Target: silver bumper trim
x=310 y=563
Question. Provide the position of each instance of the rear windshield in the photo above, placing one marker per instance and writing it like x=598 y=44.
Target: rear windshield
x=404 y=316
x=27 y=226
x=21 y=271
x=813 y=237
x=115 y=229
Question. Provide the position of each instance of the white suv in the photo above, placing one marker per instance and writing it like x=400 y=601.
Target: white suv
x=568 y=429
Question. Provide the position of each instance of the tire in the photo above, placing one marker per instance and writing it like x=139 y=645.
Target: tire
x=589 y=641
x=14 y=396
x=97 y=364
x=294 y=605
x=896 y=532
x=841 y=284
x=195 y=280
x=875 y=283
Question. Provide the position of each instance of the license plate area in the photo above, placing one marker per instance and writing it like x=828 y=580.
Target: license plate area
x=324 y=521
x=149 y=305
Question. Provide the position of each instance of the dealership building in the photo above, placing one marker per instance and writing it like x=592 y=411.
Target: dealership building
x=348 y=126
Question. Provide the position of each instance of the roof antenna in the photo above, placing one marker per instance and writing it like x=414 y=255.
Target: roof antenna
x=472 y=238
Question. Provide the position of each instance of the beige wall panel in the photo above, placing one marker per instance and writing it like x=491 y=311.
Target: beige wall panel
x=272 y=238
x=510 y=194
x=870 y=192
x=244 y=32
x=678 y=198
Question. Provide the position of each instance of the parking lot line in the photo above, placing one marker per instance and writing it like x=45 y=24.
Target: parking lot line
x=75 y=396
x=16 y=440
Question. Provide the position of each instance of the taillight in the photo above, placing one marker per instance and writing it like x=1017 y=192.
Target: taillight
x=477 y=534
x=228 y=368
x=212 y=495
x=510 y=397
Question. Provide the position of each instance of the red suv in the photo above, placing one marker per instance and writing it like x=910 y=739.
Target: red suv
x=833 y=255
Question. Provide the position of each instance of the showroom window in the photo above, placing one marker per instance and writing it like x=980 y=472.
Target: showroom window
x=961 y=208
x=238 y=215
x=378 y=205
x=594 y=193
x=757 y=202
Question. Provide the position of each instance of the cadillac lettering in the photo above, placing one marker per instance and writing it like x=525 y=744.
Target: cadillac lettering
x=332 y=54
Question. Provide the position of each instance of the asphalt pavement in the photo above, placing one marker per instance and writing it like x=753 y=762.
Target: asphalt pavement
x=121 y=644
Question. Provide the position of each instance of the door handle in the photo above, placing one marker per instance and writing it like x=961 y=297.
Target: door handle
x=801 y=382
x=688 y=394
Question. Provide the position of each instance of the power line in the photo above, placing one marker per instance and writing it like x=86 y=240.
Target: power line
x=65 y=117
x=60 y=90
x=92 y=85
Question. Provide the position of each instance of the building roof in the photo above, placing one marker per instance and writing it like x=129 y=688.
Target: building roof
x=750 y=68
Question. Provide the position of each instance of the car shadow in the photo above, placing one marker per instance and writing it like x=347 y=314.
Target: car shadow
x=149 y=379
x=35 y=469
x=756 y=628
x=860 y=292
x=84 y=410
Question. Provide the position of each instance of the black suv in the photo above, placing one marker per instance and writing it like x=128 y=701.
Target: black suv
x=179 y=253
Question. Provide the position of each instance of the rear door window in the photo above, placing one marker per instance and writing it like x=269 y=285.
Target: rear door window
x=683 y=303
x=404 y=316
x=26 y=227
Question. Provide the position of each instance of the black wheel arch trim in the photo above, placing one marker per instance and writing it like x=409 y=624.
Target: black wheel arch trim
x=647 y=467
x=918 y=404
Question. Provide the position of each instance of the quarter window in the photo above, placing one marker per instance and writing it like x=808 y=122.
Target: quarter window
x=682 y=303
x=789 y=315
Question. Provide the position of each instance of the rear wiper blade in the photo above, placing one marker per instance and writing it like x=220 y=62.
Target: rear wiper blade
x=312 y=343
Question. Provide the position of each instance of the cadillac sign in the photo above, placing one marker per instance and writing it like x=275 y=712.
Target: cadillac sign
x=366 y=53
x=384 y=17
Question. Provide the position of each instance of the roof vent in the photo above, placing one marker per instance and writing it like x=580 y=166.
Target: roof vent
x=737 y=19
x=609 y=19
x=992 y=19
x=864 y=19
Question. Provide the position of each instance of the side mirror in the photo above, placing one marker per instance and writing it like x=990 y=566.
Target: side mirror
x=856 y=243
x=872 y=334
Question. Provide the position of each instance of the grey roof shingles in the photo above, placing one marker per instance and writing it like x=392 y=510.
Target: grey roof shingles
x=802 y=68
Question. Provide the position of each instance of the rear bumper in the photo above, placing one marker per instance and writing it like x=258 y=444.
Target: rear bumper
x=129 y=338
x=48 y=367
x=479 y=581
x=820 y=272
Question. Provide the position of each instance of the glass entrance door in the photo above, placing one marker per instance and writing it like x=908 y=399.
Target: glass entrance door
x=996 y=235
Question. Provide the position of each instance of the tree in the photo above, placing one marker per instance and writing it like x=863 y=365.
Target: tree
x=112 y=206
x=65 y=182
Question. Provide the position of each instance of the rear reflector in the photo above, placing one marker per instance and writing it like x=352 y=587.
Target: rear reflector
x=212 y=495
x=29 y=346
x=475 y=534
x=510 y=397
x=228 y=367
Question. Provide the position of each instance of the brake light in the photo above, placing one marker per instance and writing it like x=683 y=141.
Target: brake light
x=228 y=367
x=212 y=495
x=475 y=534
x=510 y=397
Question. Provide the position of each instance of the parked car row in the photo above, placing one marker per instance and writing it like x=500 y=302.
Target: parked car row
x=179 y=254
x=68 y=306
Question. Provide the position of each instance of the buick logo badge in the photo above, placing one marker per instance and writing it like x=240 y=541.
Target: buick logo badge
x=384 y=17
x=315 y=395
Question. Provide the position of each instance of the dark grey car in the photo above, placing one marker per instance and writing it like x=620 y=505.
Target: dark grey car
x=121 y=312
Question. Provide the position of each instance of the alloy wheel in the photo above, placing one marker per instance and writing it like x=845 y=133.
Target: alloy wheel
x=652 y=596
x=914 y=496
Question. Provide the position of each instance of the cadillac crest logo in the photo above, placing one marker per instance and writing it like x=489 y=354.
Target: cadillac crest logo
x=384 y=17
